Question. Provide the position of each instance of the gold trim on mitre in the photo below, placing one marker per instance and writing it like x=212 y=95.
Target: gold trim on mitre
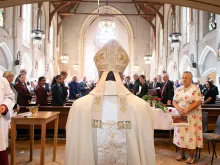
x=111 y=57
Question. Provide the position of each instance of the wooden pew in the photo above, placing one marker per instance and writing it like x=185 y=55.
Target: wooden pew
x=213 y=114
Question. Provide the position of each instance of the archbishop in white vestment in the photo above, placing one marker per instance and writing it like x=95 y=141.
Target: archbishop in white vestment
x=110 y=126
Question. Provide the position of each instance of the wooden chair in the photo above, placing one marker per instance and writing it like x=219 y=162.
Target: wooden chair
x=213 y=138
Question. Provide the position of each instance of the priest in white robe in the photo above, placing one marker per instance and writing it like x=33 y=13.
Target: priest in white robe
x=7 y=102
x=110 y=126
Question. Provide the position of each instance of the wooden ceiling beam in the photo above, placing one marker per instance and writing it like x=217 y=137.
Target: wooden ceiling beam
x=52 y=14
x=103 y=14
x=108 y=2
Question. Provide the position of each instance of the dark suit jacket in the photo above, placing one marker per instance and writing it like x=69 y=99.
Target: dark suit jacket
x=144 y=90
x=157 y=85
x=130 y=87
x=41 y=96
x=83 y=90
x=136 y=86
x=73 y=89
x=64 y=92
x=57 y=99
x=23 y=94
x=168 y=92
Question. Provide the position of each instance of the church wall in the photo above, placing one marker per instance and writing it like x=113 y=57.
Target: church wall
x=141 y=29
x=34 y=59
x=202 y=45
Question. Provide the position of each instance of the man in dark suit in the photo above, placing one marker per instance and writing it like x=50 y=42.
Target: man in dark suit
x=24 y=96
x=128 y=84
x=74 y=91
x=64 y=75
x=215 y=89
x=167 y=91
x=155 y=84
x=84 y=88
x=136 y=84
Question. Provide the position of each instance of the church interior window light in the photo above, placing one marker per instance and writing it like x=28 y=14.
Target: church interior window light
x=26 y=15
x=188 y=20
x=161 y=41
x=106 y=32
x=2 y=12
x=212 y=21
x=51 y=41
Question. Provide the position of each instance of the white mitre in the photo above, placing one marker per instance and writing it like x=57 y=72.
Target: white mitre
x=111 y=57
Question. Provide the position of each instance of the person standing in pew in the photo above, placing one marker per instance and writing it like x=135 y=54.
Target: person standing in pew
x=41 y=93
x=57 y=92
x=209 y=94
x=24 y=96
x=74 y=91
x=64 y=75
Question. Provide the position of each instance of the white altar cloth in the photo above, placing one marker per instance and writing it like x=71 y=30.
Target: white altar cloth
x=163 y=121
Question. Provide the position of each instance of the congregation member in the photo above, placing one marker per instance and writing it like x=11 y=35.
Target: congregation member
x=7 y=101
x=74 y=91
x=128 y=83
x=215 y=88
x=136 y=84
x=10 y=77
x=187 y=101
x=31 y=87
x=167 y=91
x=92 y=85
x=144 y=86
x=177 y=85
x=41 y=93
x=200 y=86
x=22 y=71
x=95 y=125
x=159 y=79
x=64 y=75
x=209 y=94
x=24 y=96
x=155 y=84
x=57 y=91
x=84 y=87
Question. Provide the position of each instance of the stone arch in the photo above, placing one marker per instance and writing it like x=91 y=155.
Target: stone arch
x=26 y=63
x=204 y=54
x=207 y=72
x=8 y=56
x=87 y=22
x=183 y=64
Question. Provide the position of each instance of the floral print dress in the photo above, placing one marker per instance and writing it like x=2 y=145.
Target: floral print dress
x=189 y=137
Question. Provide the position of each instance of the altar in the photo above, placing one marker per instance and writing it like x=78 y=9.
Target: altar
x=163 y=121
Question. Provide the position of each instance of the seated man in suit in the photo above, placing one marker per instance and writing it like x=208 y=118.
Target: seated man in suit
x=128 y=84
x=167 y=91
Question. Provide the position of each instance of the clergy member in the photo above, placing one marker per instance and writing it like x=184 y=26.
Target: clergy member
x=110 y=125
x=7 y=102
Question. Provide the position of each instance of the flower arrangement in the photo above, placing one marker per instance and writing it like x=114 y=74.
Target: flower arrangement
x=154 y=101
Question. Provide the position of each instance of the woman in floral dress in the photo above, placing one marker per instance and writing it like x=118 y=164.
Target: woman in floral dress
x=187 y=101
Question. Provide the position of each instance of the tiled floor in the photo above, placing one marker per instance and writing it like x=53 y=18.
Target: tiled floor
x=165 y=153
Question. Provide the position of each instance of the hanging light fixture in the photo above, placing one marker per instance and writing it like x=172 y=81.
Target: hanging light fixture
x=64 y=58
x=174 y=37
x=38 y=34
x=147 y=59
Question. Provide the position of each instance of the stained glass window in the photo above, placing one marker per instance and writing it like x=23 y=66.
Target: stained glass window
x=161 y=41
x=212 y=21
x=2 y=17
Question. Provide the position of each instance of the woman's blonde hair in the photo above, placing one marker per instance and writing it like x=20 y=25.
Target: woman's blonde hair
x=8 y=73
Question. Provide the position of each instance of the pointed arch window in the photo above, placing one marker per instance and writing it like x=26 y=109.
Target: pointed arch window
x=26 y=16
x=212 y=22
x=2 y=17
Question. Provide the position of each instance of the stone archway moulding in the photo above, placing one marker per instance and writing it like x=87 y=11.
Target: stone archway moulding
x=8 y=55
x=204 y=54
x=209 y=71
x=87 y=22
x=182 y=63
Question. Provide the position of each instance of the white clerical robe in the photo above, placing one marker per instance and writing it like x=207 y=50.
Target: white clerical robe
x=81 y=139
x=7 y=98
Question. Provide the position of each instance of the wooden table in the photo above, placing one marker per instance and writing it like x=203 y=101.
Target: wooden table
x=42 y=119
